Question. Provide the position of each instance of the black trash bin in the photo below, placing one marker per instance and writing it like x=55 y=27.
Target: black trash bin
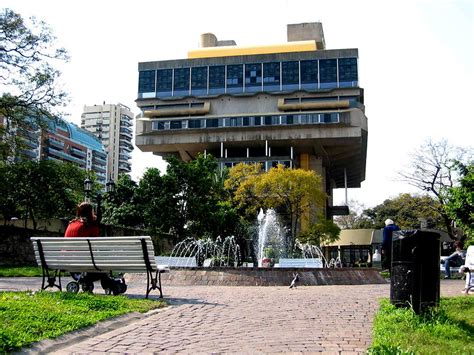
x=414 y=280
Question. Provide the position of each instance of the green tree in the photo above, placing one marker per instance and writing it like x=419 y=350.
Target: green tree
x=460 y=201
x=323 y=231
x=40 y=190
x=408 y=212
x=293 y=193
x=121 y=207
x=29 y=78
x=240 y=186
x=196 y=197
x=187 y=201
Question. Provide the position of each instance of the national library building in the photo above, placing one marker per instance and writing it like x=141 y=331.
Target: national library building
x=296 y=103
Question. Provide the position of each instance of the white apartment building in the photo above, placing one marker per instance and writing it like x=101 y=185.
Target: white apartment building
x=112 y=124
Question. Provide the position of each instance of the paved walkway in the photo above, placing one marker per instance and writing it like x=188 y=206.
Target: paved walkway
x=331 y=319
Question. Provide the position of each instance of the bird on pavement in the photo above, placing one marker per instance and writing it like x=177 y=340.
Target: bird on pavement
x=295 y=280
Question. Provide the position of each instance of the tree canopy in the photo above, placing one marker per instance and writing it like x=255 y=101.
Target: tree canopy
x=187 y=201
x=460 y=201
x=407 y=210
x=40 y=190
x=293 y=193
x=432 y=169
x=30 y=92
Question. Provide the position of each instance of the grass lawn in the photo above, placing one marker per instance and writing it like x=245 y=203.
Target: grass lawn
x=27 y=317
x=20 y=271
x=446 y=330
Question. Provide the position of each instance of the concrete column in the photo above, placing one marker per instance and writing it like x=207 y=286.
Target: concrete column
x=345 y=184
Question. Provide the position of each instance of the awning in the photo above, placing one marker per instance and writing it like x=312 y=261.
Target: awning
x=353 y=237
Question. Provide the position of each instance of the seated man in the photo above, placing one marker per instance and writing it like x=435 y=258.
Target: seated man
x=455 y=259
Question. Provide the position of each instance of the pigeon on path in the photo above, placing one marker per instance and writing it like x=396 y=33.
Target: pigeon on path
x=295 y=280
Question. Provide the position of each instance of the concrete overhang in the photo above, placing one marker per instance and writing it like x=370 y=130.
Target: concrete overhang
x=329 y=104
x=192 y=111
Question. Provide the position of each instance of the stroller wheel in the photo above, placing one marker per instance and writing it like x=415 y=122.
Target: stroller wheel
x=88 y=287
x=72 y=287
x=120 y=288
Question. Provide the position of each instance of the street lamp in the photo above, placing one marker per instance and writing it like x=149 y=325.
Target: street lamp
x=87 y=189
x=110 y=186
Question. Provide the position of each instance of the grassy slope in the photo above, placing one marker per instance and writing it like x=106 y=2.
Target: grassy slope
x=447 y=330
x=19 y=271
x=27 y=317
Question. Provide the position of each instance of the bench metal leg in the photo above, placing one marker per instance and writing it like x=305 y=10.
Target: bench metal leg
x=155 y=281
x=50 y=277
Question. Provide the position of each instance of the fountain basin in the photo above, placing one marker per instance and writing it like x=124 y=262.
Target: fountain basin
x=257 y=276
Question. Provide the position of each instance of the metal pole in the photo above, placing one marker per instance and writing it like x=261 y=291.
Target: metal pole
x=345 y=183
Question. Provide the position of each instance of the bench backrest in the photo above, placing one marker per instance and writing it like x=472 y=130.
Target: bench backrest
x=177 y=261
x=120 y=254
x=314 y=263
x=470 y=256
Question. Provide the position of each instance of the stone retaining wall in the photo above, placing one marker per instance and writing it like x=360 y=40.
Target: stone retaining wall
x=270 y=276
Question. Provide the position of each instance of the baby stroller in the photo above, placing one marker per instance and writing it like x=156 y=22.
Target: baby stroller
x=85 y=280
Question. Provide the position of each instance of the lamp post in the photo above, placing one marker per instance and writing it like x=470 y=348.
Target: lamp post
x=110 y=185
x=87 y=189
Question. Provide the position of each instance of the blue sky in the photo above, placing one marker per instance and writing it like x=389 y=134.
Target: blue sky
x=415 y=61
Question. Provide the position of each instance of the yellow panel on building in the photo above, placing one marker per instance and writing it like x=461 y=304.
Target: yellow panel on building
x=230 y=51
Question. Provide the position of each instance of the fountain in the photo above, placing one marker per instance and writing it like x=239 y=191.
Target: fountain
x=206 y=252
x=272 y=243
x=218 y=262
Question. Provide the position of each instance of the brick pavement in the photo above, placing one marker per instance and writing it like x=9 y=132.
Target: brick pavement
x=330 y=319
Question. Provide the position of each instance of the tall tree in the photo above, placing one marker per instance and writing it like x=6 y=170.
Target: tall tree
x=240 y=186
x=120 y=207
x=29 y=77
x=197 y=195
x=292 y=192
x=432 y=169
x=186 y=201
x=460 y=201
x=408 y=212
x=40 y=190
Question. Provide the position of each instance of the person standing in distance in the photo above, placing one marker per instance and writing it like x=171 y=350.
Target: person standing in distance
x=390 y=227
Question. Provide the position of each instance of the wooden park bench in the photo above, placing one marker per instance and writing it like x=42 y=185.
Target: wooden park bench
x=97 y=255
x=309 y=263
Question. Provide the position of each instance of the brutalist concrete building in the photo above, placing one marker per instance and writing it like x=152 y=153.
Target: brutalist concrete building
x=297 y=103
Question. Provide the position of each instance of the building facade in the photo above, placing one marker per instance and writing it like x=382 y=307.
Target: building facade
x=296 y=103
x=61 y=141
x=69 y=143
x=112 y=125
